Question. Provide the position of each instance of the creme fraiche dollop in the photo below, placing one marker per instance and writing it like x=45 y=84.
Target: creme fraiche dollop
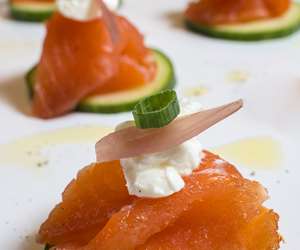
x=78 y=9
x=160 y=174
x=84 y=10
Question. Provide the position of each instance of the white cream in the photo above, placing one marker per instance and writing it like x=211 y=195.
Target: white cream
x=124 y=125
x=79 y=9
x=160 y=174
x=83 y=10
x=187 y=106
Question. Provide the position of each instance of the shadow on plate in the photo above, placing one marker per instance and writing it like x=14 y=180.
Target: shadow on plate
x=30 y=244
x=13 y=92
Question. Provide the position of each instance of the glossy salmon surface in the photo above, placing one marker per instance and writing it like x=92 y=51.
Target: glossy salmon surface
x=217 y=209
x=80 y=59
x=212 y=12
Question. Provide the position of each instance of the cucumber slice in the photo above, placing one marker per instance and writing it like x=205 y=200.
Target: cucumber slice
x=124 y=100
x=32 y=11
x=253 y=31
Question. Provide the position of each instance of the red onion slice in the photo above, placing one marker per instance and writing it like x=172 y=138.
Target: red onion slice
x=133 y=141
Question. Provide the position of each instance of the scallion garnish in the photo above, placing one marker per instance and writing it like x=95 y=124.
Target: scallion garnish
x=156 y=111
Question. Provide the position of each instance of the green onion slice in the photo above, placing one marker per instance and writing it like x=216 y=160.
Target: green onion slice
x=156 y=111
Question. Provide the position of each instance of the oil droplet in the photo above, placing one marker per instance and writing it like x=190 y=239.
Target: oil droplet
x=196 y=91
x=237 y=76
x=257 y=153
x=28 y=150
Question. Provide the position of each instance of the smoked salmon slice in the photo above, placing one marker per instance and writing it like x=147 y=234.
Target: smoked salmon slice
x=77 y=57
x=80 y=59
x=194 y=231
x=88 y=202
x=213 y=12
x=217 y=205
x=136 y=63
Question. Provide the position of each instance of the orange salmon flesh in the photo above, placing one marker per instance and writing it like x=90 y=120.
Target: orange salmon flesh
x=80 y=59
x=213 y=12
x=217 y=209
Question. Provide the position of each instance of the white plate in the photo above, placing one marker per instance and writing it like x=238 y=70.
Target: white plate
x=272 y=108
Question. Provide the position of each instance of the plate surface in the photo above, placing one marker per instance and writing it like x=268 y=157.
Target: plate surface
x=38 y=158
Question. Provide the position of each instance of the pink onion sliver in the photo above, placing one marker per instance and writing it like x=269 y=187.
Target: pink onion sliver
x=133 y=141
